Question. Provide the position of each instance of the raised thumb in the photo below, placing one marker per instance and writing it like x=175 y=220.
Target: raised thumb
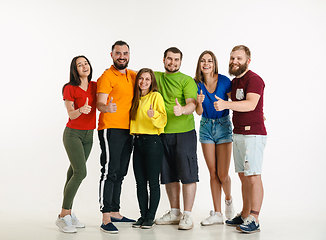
x=86 y=103
x=176 y=102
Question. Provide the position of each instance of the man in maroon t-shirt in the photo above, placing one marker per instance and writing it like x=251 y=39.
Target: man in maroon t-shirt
x=249 y=138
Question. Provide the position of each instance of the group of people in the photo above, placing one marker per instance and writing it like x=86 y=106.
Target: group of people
x=151 y=114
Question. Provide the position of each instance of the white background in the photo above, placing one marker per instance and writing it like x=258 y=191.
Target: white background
x=39 y=39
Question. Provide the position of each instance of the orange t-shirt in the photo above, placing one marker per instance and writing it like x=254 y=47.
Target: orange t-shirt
x=120 y=87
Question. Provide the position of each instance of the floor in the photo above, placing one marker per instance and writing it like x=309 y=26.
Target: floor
x=277 y=228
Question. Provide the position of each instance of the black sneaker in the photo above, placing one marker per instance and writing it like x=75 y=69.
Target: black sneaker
x=236 y=221
x=148 y=223
x=122 y=220
x=139 y=223
x=109 y=228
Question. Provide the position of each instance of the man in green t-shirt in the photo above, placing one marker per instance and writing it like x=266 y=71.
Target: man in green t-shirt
x=179 y=140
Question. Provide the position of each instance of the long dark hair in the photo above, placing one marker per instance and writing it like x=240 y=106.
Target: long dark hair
x=74 y=79
x=199 y=75
x=137 y=91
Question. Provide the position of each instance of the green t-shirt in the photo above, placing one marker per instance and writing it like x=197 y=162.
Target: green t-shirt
x=180 y=86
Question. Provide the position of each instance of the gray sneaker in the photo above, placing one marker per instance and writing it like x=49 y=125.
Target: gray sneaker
x=76 y=222
x=168 y=219
x=186 y=223
x=65 y=224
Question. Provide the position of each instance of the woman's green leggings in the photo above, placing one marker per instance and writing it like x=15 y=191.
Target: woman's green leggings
x=78 y=145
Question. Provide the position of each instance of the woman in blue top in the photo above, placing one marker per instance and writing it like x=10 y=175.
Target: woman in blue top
x=215 y=133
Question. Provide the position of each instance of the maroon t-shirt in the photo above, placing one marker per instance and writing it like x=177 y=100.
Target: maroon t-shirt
x=248 y=123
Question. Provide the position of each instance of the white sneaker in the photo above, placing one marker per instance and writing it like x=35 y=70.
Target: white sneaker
x=213 y=219
x=168 y=219
x=229 y=209
x=76 y=222
x=186 y=223
x=65 y=224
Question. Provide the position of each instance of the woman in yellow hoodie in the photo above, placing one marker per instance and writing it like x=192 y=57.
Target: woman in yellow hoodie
x=148 y=119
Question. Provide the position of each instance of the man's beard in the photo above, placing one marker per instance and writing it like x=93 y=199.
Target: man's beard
x=242 y=68
x=174 y=71
x=120 y=66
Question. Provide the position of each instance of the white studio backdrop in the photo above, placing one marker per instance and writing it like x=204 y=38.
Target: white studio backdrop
x=39 y=39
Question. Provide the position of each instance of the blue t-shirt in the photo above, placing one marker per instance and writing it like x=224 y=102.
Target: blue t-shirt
x=223 y=87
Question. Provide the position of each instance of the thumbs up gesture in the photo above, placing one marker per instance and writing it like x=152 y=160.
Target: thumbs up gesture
x=86 y=109
x=112 y=107
x=200 y=97
x=219 y=105
x=150 y=111
x=177 y=109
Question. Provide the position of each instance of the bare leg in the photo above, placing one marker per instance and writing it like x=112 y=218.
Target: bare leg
x=223 y=157
x=210 y=158
x=65 y=212
x=173 y=192
x=189 y=193
x=116 y=215
x=257 y=194
x=246 y=195
x=106 y=218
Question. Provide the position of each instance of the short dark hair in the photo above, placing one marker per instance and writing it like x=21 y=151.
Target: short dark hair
x=174 y=50
x=119 y=43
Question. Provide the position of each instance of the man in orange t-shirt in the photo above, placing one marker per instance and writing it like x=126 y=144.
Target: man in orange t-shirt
x=115 y=93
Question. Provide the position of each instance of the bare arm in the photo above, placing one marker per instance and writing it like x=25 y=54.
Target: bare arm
x=200 y=100
x=240 y=106
x=101 y=103
x=75 y=113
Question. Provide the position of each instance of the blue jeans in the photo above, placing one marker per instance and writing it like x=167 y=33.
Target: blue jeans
x=215 y=131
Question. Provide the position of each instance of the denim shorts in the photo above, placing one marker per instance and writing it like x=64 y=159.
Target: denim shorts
x=215 y=131
x=248 y=151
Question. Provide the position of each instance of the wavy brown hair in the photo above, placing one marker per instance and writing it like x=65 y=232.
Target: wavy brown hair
x=199 y=75
x=137 y=91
